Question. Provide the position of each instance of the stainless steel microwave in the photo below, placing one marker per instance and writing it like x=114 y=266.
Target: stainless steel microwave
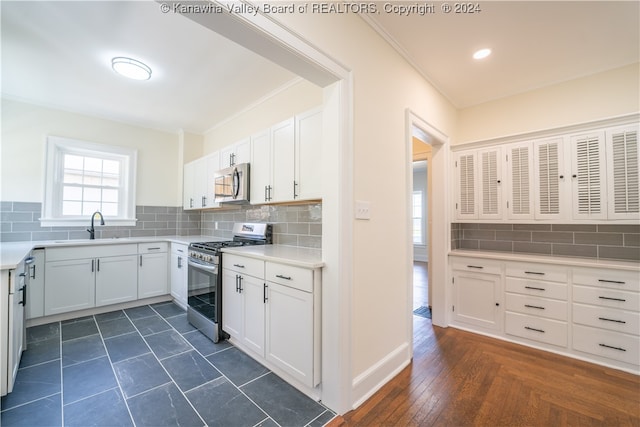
x=231 y=184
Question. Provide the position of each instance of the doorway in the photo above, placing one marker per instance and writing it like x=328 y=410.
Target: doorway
x=421 y=221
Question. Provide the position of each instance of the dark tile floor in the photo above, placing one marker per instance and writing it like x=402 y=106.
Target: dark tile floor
x=147 y=366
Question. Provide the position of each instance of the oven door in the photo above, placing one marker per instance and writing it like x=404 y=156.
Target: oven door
x=203 y=289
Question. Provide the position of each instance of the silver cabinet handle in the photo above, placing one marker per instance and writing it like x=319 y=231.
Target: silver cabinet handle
x=93 y=265
x=475 y=266
x=140 y=260
x=179 y=262
x=238 y=265
x=280 y=276
x=617 y=282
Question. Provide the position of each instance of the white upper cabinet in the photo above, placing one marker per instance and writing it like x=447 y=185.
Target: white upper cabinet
x=465 y=181
x=260 y=171
x=623 y=165
x=213 y=164
x=234 y=154
x=519 y=181
x=588 y=176
x=490 y=180
x=282 y=161
x=308 y=152
x=552 y=183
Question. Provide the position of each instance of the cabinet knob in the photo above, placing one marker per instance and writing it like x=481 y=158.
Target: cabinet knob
x=574 y=176
x=497 y=304
x=561 y=176
x=498 y=181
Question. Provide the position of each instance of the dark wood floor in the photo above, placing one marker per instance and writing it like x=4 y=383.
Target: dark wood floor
x=463 y=379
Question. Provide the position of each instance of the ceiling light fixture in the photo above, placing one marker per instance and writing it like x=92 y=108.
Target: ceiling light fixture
x=131 y=68
x=482 y=53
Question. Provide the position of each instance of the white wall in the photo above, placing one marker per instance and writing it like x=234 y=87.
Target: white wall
x=24 y=131
x=608 y=94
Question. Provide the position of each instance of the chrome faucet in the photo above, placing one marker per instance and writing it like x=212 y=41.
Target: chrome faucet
x=92 y=231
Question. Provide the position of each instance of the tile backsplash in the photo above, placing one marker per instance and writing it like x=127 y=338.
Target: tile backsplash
x=600 y=241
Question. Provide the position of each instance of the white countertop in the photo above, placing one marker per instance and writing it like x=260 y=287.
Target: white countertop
x=12 y=253
x=291 y=255
x=561 y=260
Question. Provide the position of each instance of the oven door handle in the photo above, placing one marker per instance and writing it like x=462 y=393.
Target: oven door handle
x=203 y=267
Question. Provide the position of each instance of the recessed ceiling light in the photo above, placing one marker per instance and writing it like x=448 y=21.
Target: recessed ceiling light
x=131 y=68
x=482 y=53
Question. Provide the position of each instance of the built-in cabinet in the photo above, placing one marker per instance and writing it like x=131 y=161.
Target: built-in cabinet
x=583 y=176
x=584 y=312
x=234 y=154
x=198 y=188
x=152 y=269
x=178 y=270
x=35 y=290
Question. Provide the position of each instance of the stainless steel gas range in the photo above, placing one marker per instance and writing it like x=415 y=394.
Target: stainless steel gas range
x=204 y=310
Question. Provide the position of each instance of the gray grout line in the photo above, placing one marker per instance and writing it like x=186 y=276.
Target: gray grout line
x=31 y=401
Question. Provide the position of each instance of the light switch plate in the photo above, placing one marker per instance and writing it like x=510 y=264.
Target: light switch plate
x=363 y=209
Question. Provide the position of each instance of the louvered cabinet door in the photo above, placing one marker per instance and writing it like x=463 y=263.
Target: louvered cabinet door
x=490 y=184
x=519 y=179
x=552 y=179
x=465 y=178
x=622 y=172
x=588 y=179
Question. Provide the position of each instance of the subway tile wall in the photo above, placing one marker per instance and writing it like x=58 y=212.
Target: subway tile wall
x=19 y=222
x=600 y=241
x=293 y=225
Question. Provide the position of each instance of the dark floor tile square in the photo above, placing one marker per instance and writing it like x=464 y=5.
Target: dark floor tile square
x=126 y=346
x=140 y=374
x=163 y=406
x=181 y=324
x=190 y=370
x=40 y=352
x=115 y=327
x=86 y=379
x=237 y=366
x=323 y=419
x=203 y=344
x=220 y=403
x=112 y=315
x=43 y=412
x=151 y=325
x=43 y=332
x=167 y=343
x=82 y=349
x=168 y=309
x=81 y=328
x=34 y=383
x=139 y=312
x=105 y=409
x=281 y=401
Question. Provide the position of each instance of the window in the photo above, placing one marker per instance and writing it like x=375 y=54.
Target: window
x=418 y=238
x=83 y=177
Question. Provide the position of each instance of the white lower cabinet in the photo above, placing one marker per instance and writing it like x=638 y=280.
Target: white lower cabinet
x=179 y=272
x=152 y=270
x=70 y=285
x=116 y=280
x=35 y=290
x=477 y=293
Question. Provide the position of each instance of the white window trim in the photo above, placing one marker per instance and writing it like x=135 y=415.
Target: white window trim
x=56 y=147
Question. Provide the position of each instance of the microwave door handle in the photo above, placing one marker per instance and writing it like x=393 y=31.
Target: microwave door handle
x=236 y=183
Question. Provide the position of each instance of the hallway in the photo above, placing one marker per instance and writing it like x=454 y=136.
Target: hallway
x=420 y=285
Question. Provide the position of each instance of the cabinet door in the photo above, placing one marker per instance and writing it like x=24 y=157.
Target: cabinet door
x=116 y=279
x=152 y=275
x=16 y=333
x=588 y=176
x=179 y=273
x=290 y=331
x=282 y=161
x=253 y=295
x=519 y=181
x=200 y=183
x=213 y=166
x=308 y=152
x=226 y=157
x=70 y=285
x=35 y=290
x=623 y=165
x=551 y=179
x=465 y=179
x=232 y=305
x=477 y=299
x=489 y=184
x=260 y=172
x=188 y=197
x=242 y=151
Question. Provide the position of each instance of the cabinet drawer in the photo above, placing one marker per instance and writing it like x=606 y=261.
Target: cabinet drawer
x=288 y=275
x=179 y=248
x=144 y=248
x=536 y=288
x=477 y=265
x=89 y=251
x=251 y=266
x=614 y=279
x=627 y=322
x=612 y=345
x=607 y=298
x=536 y=329
x=548 y=273
x=551 y=309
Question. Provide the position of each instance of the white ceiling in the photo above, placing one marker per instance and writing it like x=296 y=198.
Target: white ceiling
x=58 y=54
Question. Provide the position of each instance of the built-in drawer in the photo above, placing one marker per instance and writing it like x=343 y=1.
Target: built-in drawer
x=549 y=308
x=250 y=266
x=289 y=275
x=623 y=280
x=627 y=322
x=476 y=265
x=533 y=271
x=89 y=251
x=612 y=345
x=605 y=297
x=179 y=248
x=536 y=288
x=537 y=329
x=144 y=248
